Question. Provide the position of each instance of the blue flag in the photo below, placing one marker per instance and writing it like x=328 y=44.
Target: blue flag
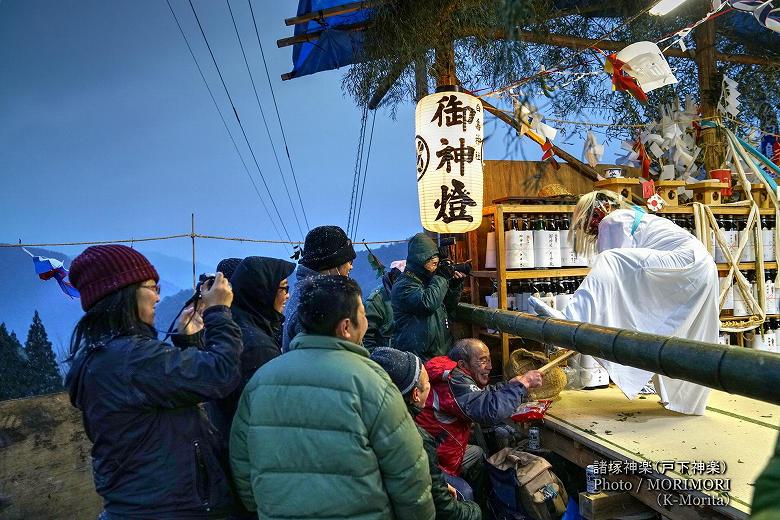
x=48 y=268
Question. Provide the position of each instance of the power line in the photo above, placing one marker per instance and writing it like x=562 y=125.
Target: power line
x=365 y=173
x=278 y=117
x=222 y=118
x=358 y=166
x=262 y=115
x=238 y=119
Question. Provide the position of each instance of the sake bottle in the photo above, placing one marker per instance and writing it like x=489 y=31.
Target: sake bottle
x=749 y=252
x=768 y=238
x=490 y=246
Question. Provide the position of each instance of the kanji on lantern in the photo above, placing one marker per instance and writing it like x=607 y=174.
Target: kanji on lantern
x=453 y=112
x=453 y=204
x=461 y=155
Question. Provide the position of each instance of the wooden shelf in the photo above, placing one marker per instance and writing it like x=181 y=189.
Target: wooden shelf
x=527 y=208
x=669 y=210
x=528 y=274
x=716 y=210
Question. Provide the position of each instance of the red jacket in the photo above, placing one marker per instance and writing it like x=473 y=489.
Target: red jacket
x=443 y=418
x=455 y=402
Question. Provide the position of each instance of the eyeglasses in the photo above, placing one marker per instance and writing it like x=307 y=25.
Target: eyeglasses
x=155 y=288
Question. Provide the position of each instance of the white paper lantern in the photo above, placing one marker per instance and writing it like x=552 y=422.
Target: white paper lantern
x=449 y=161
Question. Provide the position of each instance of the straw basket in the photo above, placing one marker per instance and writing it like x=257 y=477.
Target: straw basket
x=554 y=190
x=522 y=360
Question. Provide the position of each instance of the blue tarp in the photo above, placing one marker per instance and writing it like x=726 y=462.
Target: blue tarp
x=336 y=48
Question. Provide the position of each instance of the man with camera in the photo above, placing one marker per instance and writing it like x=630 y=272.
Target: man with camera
x=422 y=297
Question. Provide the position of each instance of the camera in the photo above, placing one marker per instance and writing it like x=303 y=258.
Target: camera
x=204 y=281
x=444 y=257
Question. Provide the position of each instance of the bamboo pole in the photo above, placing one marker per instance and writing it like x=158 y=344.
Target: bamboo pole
x=740 y=371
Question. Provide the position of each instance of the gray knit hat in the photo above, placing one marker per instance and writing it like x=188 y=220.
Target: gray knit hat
x=402 y=367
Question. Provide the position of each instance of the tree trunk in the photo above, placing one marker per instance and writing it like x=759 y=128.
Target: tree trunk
x=713 y=143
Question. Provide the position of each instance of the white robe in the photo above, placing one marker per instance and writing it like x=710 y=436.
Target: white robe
x=659 y=279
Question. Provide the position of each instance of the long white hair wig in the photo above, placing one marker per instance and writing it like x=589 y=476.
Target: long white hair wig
x=588 y=212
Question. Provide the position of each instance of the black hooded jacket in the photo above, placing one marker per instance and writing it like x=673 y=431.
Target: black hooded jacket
x=255 y=283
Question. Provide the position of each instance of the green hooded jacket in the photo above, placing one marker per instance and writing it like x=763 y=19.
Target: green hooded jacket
x=766 y=494
x=379 y=313
x=421 y=303
x=322 y=432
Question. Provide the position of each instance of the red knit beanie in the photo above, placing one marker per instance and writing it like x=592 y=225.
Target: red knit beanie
x=101 y=270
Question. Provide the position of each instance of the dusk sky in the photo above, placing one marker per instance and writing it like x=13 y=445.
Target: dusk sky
x=108 y=132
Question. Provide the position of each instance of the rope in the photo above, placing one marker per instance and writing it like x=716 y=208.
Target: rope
x=646 y=125
x=262 y=116
x=358 y=167
x=224 y=123
x=183 y=235
x=238 y=119
x=278 y=117
x=365 y=173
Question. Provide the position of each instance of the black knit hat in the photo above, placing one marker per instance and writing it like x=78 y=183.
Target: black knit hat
x=403 y=367
x=326 y=247
x=228 y=266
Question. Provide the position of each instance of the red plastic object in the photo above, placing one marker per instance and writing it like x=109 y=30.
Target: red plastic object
x=722 y=175
x=531 y=411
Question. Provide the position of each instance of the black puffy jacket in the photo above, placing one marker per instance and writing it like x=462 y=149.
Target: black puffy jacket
x=255 y=284
x=154 y=452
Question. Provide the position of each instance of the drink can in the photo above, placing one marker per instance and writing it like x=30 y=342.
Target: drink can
x=534 y=438
x=590 y=478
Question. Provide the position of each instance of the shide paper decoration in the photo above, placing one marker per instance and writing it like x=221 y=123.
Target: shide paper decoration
x=765 y=13
x=639 y=68
x=729 y=104
x=592 y=152
x=526 y=112
x=646 y=63
x=449 y=161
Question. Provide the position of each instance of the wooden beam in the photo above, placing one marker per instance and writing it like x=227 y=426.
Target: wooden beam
x=315 y=35
x=576 y=42
x=578 y=165
x=331 y=11
x=558 y=40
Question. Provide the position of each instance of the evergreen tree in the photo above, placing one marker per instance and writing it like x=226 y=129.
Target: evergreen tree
x=43 y=375
x=12 y=366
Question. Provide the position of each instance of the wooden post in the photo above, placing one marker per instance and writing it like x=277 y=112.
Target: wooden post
x=713 y=142
x=501 y=277
x=192 y=237
x=445 y=65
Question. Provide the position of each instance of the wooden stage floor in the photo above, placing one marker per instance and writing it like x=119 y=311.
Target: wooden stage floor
x=589 y=425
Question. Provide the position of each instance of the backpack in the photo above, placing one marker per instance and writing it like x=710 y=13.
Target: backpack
x=524 y=486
